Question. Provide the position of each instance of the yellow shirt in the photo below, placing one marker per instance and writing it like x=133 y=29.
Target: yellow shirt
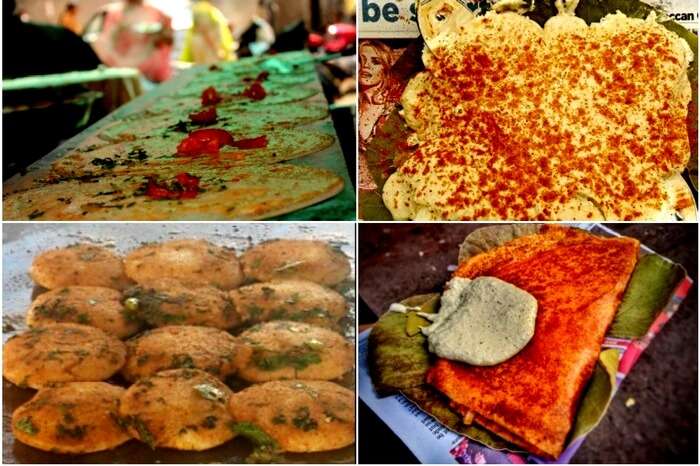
x=209 y=39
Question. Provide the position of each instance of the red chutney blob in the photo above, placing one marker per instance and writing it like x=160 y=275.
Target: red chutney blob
x=260 y=77
x=204 y=142
x=182 y=186
x=210 y=96
x=204 y=117
x=255 y=91
x=252 y=143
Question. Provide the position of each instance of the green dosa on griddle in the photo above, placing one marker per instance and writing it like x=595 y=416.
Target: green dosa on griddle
x=249 y=193
x=153 y=154
x=177 y=124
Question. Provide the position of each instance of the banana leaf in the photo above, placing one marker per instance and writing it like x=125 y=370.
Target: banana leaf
x=598 y=394
x=397 y=360
x=372 y=206
x=486 y=238
x=650 y=287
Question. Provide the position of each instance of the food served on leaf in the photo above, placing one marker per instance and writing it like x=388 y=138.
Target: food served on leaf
x=568 y=121
x=577 y=299
x=513 y=379
x=79 y=264
x=294 y=350
x=185 y=409
x=296 y=259
x=88 y=305
x=184 y=346
x=194 y=333
x=200 y=194
x=296 y=415
x=72 y=418
x=293 y=300
x=191 y=262
x=61 y=353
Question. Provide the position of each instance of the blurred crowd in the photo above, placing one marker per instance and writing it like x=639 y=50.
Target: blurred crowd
x=138 y=34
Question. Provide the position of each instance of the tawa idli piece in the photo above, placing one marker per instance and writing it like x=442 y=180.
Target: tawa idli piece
x=96 y=306
x=185 y=409
x=61 y=353
x=184 y=347
x=193 y=262
x=284 y=259
x=166 y=302
x=482 y=322
x=295 y=350
x=79 y=264
x=294 y=300
x=71 y=418
x=301 y=416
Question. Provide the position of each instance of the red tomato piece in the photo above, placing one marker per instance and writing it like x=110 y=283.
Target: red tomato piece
x=222 y=136
x=183 y=186
x=210 y=96
x=204 y=117
x=260 y=77
x=157 y=191
x=190 y=147
x=190 y=183
x=255 y=91
x=252 y=143
x=204 y=141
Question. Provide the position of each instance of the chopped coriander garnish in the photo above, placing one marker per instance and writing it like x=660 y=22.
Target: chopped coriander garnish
x=302 y=420
x=182 y=361
x=209 y=422
x=26 y=425
x=144 y=434
x=279 y=419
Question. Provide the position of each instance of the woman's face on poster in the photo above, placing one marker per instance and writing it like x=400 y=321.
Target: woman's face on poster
x=371 y=67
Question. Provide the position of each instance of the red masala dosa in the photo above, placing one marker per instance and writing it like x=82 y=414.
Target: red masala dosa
x=578 y=280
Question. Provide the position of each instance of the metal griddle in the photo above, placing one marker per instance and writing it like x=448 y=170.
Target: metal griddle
x=339 y=207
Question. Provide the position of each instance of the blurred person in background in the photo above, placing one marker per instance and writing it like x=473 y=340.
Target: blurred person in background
x=209 y=40
x=36 y=49
x=69 y=18
x=136 y=35
x=35 y=120
x=260 y=35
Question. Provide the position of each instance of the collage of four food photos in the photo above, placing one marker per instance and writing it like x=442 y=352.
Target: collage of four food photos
x=350 y=231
